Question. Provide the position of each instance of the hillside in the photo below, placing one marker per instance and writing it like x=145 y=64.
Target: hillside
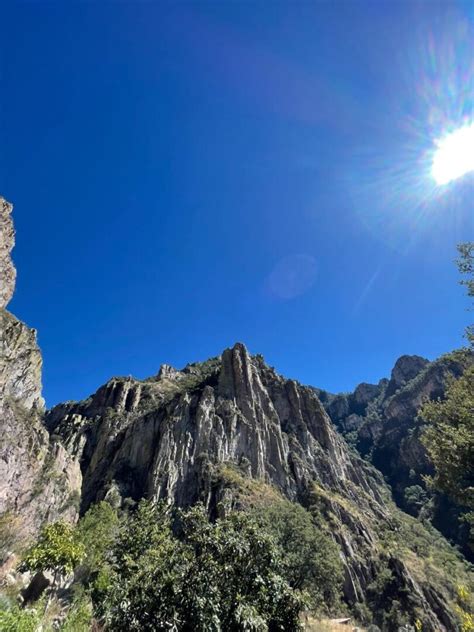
x=235 y=436
x=382 y=422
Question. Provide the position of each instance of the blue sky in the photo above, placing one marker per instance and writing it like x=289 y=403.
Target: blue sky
x=187 y=175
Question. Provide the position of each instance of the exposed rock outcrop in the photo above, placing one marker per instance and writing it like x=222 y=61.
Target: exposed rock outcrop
x=7 y=241
x=406 y=368
x=20 y=363
x=39 y=479
x=171 y=437
x=149 y=437
x=387 y=429
x=200 y=433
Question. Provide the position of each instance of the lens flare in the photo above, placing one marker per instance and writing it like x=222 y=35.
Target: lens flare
x=454 y=156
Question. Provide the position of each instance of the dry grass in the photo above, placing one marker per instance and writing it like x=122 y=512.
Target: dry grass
x=250 y=492
x=326 y=625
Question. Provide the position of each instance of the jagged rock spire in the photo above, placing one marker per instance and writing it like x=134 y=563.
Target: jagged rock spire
x=7 y=241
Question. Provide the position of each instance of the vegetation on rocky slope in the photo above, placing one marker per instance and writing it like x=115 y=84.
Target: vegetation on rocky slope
x=260 y=511
x=151 y=567
x=449 y=434
x=449 y=439
x=387 y=431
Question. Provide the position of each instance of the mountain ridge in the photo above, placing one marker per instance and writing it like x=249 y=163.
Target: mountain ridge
x=203 y=434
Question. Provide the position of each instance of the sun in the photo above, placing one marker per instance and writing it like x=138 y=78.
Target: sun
x=454 y=156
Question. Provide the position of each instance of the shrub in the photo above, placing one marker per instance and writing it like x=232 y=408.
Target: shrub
x=206 y=577
x=17 y=620
x=57 y=550
x=311 y=558
x=97 y=531
x=415 y=499
x=79 y=616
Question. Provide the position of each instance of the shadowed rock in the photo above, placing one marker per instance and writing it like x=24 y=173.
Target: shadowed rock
x=175 y=435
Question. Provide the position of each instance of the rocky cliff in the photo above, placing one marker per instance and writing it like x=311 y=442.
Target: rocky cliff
x=7 y=241
x=226 y=432
x=149 y=438
x=382 y=422
x=39 y=480
x=177 y=436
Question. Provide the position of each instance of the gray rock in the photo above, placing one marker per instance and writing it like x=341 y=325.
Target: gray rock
x=148 y=440
x=171 y=438
x=7 y=241
x=406 y=368
x=389 y=428
x=39 y=479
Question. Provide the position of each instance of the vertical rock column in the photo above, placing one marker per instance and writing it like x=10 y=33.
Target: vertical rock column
x=7 y=241
x=39 y=480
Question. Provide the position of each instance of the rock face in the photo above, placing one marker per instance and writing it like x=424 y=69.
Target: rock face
x=21 y=363
x=200 y=433
x=150 y=438
x=386 y=428
x=39 y=480
x=7 y=241
x=172 y=436
x=406 y=368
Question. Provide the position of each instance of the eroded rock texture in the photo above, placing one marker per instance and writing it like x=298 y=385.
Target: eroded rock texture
x=149 y=438
x=7 y=241
x=196 y=434
x=385 y=426
x=39 y=479
x=170 y=437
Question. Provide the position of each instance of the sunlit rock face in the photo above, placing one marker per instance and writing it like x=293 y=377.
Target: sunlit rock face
x=151 y=438
x=406 y=368
x=7 y=241
x=39 y=479
x=21 y=362
x=20 y=358
x=171 y=437
x=175 y=435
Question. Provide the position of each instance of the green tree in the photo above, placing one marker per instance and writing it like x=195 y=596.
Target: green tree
x=201 y=576
x=97 y=531
x=449 y=435
x=57 y=550
x=242 y=565
x=449 y=439
x=146 y=573
x=311 y=558
x=465 y=264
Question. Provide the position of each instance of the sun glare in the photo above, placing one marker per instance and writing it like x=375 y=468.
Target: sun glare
x=454 y=156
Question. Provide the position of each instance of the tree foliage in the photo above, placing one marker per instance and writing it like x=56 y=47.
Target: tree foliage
x=204 y=576
x=465 y=264
x=311 y=558
x=15 y=619
x=96 y=531
x=57 y=550
x=147 y=563
x=449 y=435
x=449 y=439
x=415 y=498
